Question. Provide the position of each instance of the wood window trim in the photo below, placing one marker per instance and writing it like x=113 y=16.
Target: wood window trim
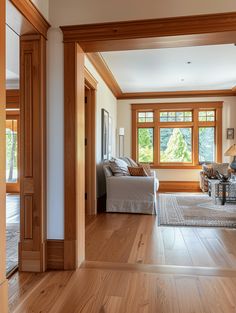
x=194 y=125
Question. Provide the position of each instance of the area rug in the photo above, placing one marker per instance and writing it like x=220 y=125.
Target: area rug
x=12 y=236
x=194 y=210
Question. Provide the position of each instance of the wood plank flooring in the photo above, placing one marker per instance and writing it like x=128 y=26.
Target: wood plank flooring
x=133 y=266
x=129 y=238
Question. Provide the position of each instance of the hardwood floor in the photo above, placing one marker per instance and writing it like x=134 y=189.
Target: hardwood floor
x=134 y=266
x=130 y=238
x=116 y=290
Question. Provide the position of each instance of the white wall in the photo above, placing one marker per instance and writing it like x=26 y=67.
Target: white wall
x=104 y=100
x=55 y=136
x=12 y=59
x=124 y=120
x=43 y=6
x=55 y=130
x=71 y=12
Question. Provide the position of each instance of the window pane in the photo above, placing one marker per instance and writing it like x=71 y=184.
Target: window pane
x=206 y=116
x=176 y=145
x=206 y=144
x=145 y=117
x=183 y=116
x=145 y=145
x=11 y=151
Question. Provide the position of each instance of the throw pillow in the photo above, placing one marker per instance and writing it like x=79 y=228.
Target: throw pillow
x=137 y=171
x=208 y=170
x=222 y=168
x=146 y=167
x=132 y=162
x=119 y=167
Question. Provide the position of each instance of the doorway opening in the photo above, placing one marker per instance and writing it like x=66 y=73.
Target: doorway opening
x=90 y=145
x=12 y=149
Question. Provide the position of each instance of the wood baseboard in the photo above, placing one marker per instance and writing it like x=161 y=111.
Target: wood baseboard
x=179 y=186
x=55 y=254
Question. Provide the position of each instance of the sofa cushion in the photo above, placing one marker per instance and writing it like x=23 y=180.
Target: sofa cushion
x=119 y=167
x=137 y=171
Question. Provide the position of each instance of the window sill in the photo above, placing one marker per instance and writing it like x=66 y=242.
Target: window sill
x=181 y=167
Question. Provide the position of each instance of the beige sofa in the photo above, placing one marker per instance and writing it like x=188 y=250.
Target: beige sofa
x=130 y=194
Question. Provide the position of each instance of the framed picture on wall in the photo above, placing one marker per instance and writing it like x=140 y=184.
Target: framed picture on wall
x=105 y=135
x=110 y=139
x=230 y=133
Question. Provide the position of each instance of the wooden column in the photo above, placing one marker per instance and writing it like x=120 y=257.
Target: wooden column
x=3 y=281
x=74 y=152
x=33 y=153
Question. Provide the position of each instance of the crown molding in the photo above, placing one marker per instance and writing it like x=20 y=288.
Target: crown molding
x=103 y=70
x=177 y=94
x=154 y=33
x=33 y=15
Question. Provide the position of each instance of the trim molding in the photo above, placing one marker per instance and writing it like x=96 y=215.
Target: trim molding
x=12 y=98
x=104 y=71
x=178 y=94
x=55 y=254
x=33 y=15
x=154 y=33
x=178 y=186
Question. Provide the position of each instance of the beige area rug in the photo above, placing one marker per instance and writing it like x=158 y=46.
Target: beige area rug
x=186 y=209
x=13 y=237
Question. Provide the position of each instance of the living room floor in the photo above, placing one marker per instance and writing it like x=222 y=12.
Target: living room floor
x=130 y=238
x=132 y=265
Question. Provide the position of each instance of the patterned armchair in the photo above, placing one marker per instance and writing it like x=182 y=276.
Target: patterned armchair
x=209 y=172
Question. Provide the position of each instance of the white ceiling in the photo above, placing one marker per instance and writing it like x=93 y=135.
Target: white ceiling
x=211 y=67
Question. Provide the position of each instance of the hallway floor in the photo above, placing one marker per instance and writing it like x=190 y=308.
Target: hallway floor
x=134 y=266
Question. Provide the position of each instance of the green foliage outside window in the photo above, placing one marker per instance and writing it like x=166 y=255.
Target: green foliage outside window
x=11 y=155
x=145 y=145
x=206 y=144
x=176 y=145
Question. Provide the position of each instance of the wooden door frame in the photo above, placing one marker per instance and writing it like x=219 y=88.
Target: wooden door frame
x=3 y=280
x=33 y=223
x=91 y=85
x=130 y=35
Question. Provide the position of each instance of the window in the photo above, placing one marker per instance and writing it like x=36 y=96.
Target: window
x=184 y=135
x=145 y=117
x=176 y=116
x=145 y=145
x=206 y=144
x=206 y=116
x=175 y=145
x=11 y=151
